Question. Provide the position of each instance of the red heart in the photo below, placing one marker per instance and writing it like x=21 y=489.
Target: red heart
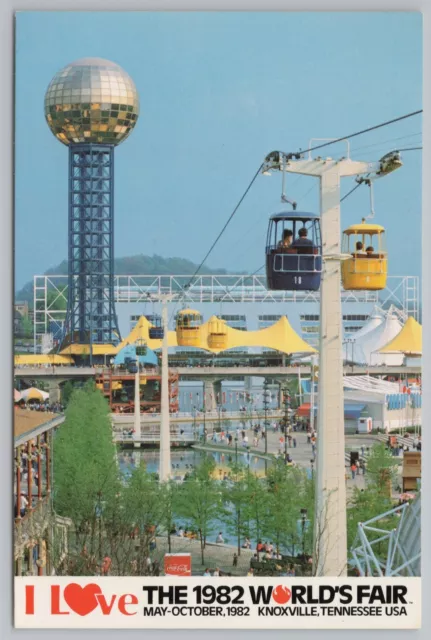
x=82 y=600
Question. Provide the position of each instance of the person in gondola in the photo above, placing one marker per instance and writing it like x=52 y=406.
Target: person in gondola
x=286 y=240
x=302 y=241
x=360 y=249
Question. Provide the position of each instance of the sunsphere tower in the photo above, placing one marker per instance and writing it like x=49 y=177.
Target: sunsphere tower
x=91 y=106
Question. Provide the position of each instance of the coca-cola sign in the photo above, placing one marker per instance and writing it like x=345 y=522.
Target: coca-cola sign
x=178 y=564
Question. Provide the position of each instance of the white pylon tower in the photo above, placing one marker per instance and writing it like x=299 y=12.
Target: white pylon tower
x=330 y=530
x=137 y=414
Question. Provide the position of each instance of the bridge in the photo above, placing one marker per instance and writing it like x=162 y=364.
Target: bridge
x=221 y=373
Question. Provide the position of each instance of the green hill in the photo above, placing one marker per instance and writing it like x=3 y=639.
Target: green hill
x=132 y=265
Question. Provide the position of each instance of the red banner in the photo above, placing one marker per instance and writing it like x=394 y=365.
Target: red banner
x=178 y=564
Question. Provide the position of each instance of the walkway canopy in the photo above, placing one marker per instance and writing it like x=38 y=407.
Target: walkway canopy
x=408 y=341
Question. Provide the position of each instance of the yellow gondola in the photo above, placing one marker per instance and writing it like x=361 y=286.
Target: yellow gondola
x=188 y=328
x=217 y=334
x=367 y=267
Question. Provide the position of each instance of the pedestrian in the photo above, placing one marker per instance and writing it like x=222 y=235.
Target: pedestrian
x=207 y=573
x=294 y=442
x=23 y=504
x=216 y=572
x=353 y=469
x=362 y=451
x=106 y=564
x=289 y=440
x=235 y=560
x=219 y=539
x=250 y=573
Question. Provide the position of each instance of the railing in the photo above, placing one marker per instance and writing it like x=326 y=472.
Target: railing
x=214 y=415
x=32 y=525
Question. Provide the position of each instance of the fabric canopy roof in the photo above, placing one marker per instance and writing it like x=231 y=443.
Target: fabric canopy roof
x=279 y=336
x=366 y=347
x=34 y=394
x=16 y=396
x=408 y=341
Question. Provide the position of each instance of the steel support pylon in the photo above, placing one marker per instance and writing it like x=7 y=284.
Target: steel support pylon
x=165 y=436
x=330 y=521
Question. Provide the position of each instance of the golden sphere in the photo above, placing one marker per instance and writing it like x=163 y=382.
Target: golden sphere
x=91 y=101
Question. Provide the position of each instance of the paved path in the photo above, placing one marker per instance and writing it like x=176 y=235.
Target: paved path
x=215 y=555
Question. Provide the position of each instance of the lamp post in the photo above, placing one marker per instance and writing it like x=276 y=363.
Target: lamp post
x=331 y=535
x=205 y=424
x=286 y=403
x=236 y=449
x=265 y=408
x=137 y=408
x=303 y=522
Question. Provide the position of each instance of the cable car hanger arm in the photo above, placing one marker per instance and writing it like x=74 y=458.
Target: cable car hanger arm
x=278 y=161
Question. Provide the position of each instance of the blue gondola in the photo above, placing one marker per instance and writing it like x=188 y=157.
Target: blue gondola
x=156 y=331
x=294 y=256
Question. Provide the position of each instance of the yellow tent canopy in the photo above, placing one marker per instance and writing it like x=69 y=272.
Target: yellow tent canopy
x=34 y=394
x=141 y=332
x=84 y=349
x=43 y=358
x=279 y=336
x=408 y=341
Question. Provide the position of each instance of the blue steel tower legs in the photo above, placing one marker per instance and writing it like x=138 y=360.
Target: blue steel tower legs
x=91 y=317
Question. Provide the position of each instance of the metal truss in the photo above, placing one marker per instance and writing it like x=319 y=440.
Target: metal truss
x=401 y=291
x=402 y=545
x=91 y=313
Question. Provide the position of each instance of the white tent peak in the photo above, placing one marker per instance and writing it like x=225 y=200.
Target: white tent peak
x=379 y=330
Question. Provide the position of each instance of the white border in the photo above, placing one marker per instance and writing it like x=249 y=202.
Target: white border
x=7 y=9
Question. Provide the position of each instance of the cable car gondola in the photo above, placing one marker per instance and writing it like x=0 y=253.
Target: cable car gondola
x=294 y=252
x=367 y=267
x=156 y=330
x=141 y=347
x=188 y=325
x=217 y=336
x=132 y=367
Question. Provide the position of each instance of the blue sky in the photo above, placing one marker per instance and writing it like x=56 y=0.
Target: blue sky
x=218 y=91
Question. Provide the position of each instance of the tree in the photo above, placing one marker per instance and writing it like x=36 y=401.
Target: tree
x=86 y=477
x=236 y=500
x=364 y=505
x=289 y=491
x=66 y=392
x=199 y=501
x=257 y=505
x=26 y=327
x=169 y=497
x=381 y=468
x=145 y=513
